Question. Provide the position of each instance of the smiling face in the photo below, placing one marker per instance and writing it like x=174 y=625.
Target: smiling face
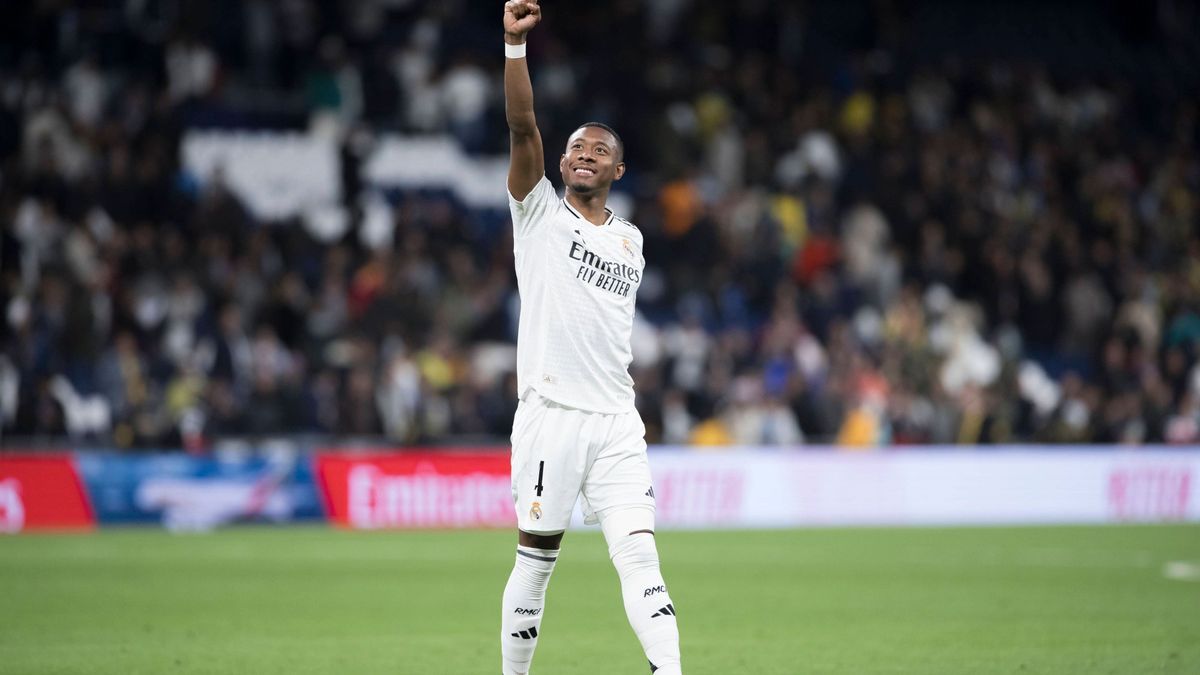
x=592 y=161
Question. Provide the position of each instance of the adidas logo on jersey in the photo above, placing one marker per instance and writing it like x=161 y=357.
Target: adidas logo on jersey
x=650 y=493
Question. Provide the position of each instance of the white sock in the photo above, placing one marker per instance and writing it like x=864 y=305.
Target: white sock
x=524 y=604
x=647 y=603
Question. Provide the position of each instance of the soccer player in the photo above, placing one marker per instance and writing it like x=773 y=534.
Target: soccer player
x=576 y=431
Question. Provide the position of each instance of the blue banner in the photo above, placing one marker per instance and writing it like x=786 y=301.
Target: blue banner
x=199 y=493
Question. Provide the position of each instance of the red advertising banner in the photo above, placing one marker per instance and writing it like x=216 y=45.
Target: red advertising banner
x=417 y=490
x=42 y=492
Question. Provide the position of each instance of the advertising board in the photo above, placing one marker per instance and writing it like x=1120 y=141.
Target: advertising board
x=758 y=488
x=417 y=489
x=185 y=492
x=42 y=492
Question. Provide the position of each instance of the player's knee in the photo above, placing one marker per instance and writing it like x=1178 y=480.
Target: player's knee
x=620 y=523
x=630 y=536
x=634 y=553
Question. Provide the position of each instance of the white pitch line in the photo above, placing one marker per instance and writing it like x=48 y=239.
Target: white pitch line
x=1182 y=570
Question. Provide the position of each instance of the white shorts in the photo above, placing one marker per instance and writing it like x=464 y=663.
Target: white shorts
x=561 y=453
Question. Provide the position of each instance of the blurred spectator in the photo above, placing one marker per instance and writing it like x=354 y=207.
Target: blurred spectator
x=334 y=90
x=191 y=69
x=465 y=92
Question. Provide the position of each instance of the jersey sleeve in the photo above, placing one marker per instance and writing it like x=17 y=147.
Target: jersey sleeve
x=531 y=212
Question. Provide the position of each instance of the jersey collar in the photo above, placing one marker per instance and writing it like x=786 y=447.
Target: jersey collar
x=579 y=215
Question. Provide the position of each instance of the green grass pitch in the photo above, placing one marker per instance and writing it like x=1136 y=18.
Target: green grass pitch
x=1021 y=601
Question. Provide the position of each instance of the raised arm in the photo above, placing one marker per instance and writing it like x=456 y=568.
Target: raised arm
x=527 y=164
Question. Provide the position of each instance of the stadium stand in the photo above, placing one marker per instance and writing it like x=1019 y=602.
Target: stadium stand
x=866 y=223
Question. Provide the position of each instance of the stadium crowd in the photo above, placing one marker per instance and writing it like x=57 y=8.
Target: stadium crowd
x=852 y=235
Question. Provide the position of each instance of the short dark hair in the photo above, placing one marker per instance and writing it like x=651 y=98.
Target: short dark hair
x=602 y=125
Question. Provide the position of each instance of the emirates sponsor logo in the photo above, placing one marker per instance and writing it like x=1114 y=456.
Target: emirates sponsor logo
x=12 y=509
x=615 y=269
x=426 y=498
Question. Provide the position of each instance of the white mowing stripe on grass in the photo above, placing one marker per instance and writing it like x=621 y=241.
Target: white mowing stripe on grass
x=1182 y=570
x=1043 y=557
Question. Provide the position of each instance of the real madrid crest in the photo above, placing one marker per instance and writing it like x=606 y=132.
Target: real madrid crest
x=628 y=248
x=535 y=511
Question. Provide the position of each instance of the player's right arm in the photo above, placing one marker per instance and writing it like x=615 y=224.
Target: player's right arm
x=527 y=163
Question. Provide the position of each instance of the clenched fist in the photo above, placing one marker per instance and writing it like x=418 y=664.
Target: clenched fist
x=520 y=16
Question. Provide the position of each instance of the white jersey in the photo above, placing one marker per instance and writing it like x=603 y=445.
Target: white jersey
x=578 y=283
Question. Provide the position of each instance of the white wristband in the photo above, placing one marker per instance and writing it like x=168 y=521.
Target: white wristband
x=514 y=51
